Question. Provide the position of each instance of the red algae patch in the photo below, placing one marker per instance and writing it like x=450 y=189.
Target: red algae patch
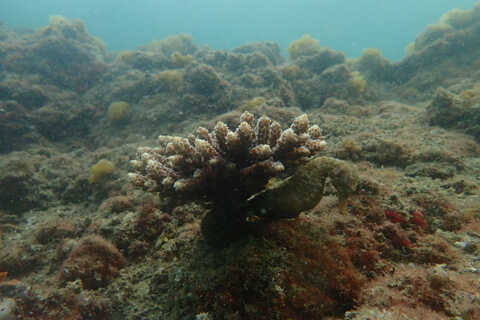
x=94 y=261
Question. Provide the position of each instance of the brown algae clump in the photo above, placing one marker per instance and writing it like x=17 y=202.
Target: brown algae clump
x=179 y=61
x=118 y=112
x=171 y=80
x=305 y=46
x=358 y=82
x=176 y=44
x=459 y=18
x=252 y=103
x=99 y=170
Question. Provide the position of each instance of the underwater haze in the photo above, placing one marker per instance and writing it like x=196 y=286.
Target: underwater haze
x=345 y=25
x=257 y=169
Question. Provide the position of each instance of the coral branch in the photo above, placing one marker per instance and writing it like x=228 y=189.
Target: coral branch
x=257 y=150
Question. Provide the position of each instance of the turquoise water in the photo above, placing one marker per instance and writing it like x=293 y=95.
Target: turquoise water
x=345 y=25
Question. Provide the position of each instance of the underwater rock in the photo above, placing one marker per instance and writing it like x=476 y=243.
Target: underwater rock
x=443 y=51
x=205 y=90
x=268 y=48
x=55 y=230
x=452 y=111
x=29 y=95
x=257 y=60
x=57 y=123
x=180 y=43
x=29 y=110
x=339 y=73
x=17 y=185
x=20 y=259
x=434 y=171
x=337 y=81
x=224 y=61
x=143 y=60
x=94 y=261
x=321 y=60
x=62 y=53
x=14 y=126
x=204 y=80
x=333 y=105
x=374 y=66
x=387 y=153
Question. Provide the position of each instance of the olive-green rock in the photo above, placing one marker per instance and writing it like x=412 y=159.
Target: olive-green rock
x=304 y=189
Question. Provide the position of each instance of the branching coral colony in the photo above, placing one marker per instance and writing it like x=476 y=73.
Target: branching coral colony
x=232 y=169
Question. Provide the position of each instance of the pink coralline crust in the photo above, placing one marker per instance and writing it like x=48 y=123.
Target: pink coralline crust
x=256 y=150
